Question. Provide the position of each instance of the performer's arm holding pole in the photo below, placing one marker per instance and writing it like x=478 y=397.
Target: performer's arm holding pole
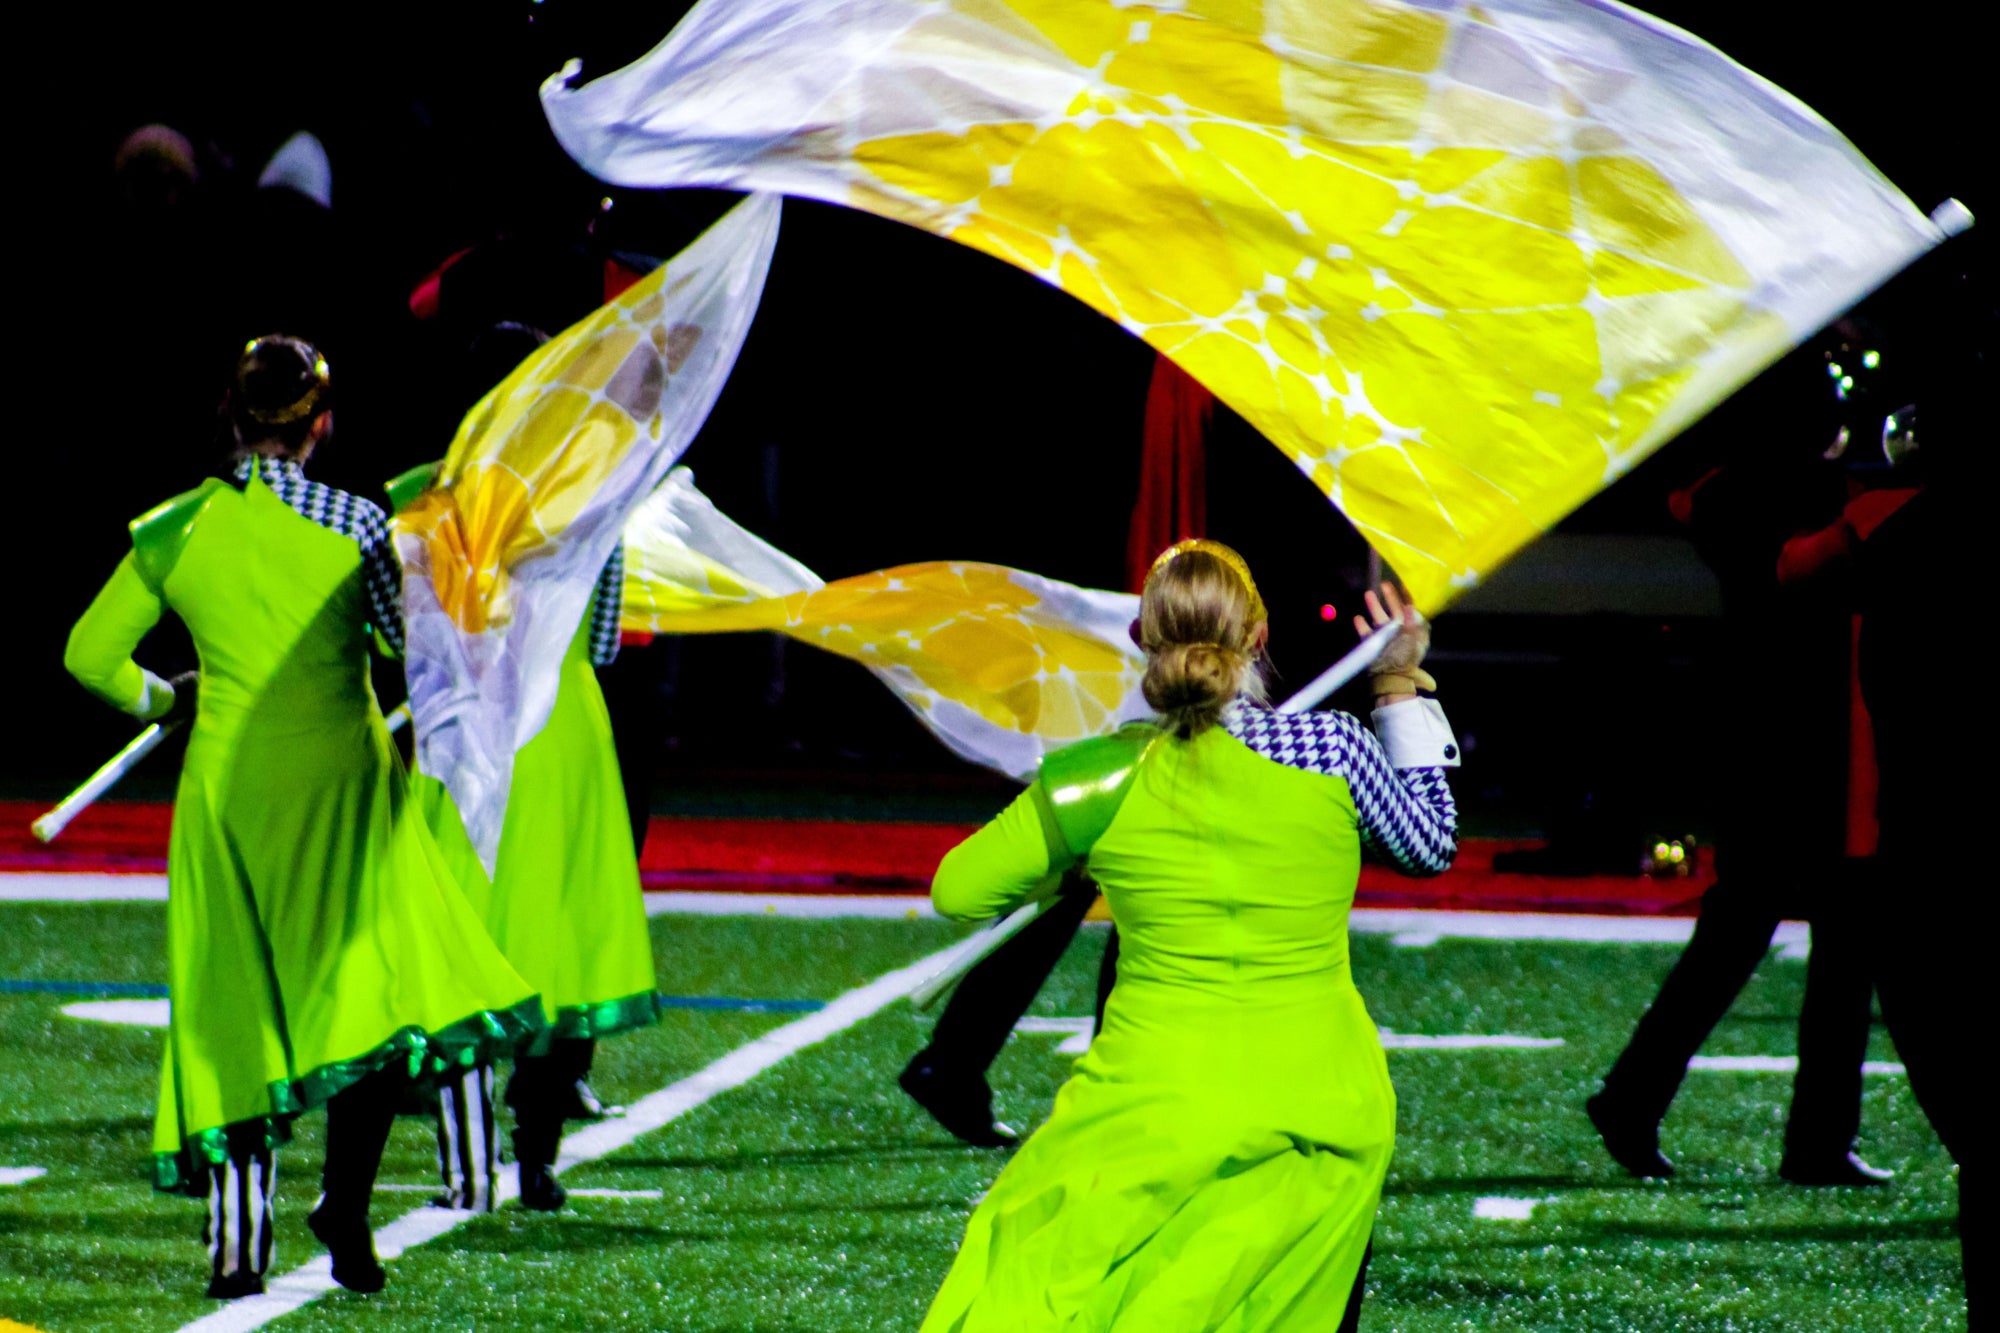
x=99 y=655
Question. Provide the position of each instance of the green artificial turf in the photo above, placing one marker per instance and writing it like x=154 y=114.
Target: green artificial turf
x=817 y=1198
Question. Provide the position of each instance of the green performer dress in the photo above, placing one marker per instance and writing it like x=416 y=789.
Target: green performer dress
x=315 y=933
x=563 y=902
x=1216 y=1159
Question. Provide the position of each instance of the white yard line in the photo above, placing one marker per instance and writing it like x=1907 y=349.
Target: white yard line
x=1465 y=1041
x=1778 y=1064
x=1414 y=928
x=40 y=888
x=911 y=906
x=1499 y=1208
x=1069 y=1025
x=1079 y=1032
x=1408 y=927
x=618 y=1194
x=307 y=1283
x=21 y=1175
x=131 y=1013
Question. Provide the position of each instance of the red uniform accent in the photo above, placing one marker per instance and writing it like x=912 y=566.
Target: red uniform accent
x=424 y=296
x=1813 y=555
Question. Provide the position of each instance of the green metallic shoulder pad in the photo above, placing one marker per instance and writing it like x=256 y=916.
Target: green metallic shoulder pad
x=1084 y=784
x=159 y=534
x=407 y=486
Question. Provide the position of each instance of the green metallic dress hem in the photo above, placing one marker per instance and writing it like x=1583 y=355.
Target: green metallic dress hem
x=480 y=1038
x=606 y=1018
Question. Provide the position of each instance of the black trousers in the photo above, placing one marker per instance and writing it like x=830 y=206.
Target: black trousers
x=1350 y=1320
x=992 y=997
x=542 y=1093
x=357 y=1130
x=1938 y=1006
x=1732 y=934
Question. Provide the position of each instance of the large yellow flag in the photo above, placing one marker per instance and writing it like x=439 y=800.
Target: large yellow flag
x=499 y=556
x=1001 y=665
x=1464 y=262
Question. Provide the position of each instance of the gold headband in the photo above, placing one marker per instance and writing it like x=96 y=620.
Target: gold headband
x=1227 y=556
x=304 y=405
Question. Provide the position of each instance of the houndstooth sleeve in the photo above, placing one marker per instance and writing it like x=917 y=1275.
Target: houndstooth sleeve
x=1407 y=816
x=384 y=574
x=606 y=607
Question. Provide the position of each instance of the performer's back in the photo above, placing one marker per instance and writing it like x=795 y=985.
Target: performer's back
x=277 y=610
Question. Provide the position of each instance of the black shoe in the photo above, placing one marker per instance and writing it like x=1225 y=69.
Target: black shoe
x=235 y=1286
x=1846 y=1169
x=352 y=1246
x=540 y=1190
x=963 y=1106
x=1632 y=1145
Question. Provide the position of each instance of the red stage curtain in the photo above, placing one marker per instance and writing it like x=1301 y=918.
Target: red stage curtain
x=1173 y=469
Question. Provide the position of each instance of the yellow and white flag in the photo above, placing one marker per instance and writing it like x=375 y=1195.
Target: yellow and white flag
x=1464 y=262
x=499 y=556
x=1001 y=665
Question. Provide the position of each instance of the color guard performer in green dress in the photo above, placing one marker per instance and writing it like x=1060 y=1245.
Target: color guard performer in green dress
x=320 y=950
x=1216 y=1159
x=563 y=903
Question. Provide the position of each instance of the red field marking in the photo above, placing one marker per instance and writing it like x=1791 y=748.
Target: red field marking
x=111 y=837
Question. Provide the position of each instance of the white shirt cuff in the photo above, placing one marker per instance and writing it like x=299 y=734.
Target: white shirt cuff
x=156 y=696
x=1416 y=735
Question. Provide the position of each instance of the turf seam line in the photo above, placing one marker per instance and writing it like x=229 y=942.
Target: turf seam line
x=300 y=1287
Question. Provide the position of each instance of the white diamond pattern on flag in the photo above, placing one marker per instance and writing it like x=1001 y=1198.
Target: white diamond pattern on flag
x=1463 y=263
x=500 y=556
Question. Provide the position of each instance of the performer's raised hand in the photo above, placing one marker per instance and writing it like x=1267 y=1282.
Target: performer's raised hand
x=1398 y=673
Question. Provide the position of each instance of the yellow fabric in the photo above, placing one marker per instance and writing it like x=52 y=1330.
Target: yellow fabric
x=529 y=455
x=943 y=633
x=1217 y=1157
x=99 y=653
x=501 y=553
x=1272 y=225
x=1464 y=264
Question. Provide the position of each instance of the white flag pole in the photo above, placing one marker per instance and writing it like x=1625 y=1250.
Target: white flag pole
x=1358 y=659
x=980 y=947
x=105 y=778
x=74 y=804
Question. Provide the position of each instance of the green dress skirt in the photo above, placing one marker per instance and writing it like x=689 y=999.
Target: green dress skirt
x=563 y=902
x=1215 y=1160
x=315 y=933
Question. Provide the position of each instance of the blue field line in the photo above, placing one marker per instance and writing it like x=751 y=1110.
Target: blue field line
x=143 y=989
x=153 y=991
x=741 y=1005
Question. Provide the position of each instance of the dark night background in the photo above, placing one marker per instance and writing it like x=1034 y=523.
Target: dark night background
x=900 y=397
